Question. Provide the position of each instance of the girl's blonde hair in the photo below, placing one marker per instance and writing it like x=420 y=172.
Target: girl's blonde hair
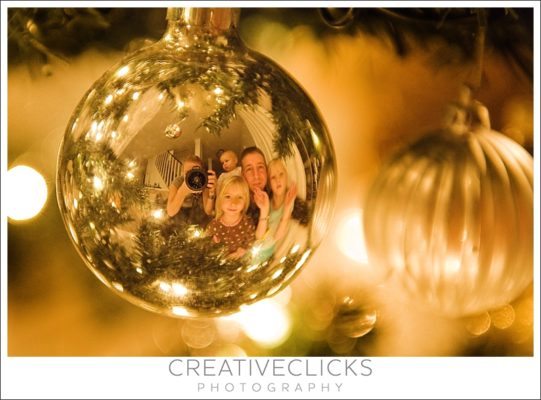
x=276 y=161
x=271 y=164
x=234 y=180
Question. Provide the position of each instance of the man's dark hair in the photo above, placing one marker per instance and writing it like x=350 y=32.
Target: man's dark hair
x=251 y=150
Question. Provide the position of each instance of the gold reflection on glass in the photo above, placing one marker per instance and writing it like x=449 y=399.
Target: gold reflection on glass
x=73 y=234
x=256 y=250
x=273 y=290
x=277 y=274
x=164 y=286
x=123 y=71
x=179 y=289
x=252 y=268
x=158 y=214
x=98 y=183
x=197 y=233
x=303 y=259
x=315 y=138
x=180 y=311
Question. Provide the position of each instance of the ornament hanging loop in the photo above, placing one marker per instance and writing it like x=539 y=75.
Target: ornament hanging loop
x=466 y=114
x=479 y=51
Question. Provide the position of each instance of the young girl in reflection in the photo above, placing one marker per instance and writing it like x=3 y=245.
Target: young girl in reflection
x=231 y=226
x=281 y=207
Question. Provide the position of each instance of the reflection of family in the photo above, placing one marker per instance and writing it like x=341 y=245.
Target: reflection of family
x=254 y=201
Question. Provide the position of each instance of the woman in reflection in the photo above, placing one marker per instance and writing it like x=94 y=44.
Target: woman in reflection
x=281 y=207
x=191 y=206
x=232 y=226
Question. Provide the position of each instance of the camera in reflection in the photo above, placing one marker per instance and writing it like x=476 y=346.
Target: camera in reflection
x=196 y=179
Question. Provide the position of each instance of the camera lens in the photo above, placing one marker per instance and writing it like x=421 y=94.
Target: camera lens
x=196 y=179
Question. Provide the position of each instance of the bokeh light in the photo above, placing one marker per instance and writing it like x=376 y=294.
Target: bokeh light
x=350 y=236
x=26 y=192
x=268 y=323
x=478 y=325
x=503 y=317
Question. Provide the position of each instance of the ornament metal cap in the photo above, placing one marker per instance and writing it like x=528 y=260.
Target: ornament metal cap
x=217 y=18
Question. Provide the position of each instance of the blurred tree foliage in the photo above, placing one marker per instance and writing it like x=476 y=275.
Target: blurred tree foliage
x=35 y=35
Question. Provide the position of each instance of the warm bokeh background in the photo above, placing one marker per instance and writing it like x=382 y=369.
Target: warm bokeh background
x=373 y=100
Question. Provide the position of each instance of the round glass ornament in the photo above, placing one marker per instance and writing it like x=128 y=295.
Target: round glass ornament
x=451 y=216
x=135 y=132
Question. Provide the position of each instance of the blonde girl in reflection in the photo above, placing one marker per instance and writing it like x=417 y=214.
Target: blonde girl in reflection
x=232 y=226
x=281 y=207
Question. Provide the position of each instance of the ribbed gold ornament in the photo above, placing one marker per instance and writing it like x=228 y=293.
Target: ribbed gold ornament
x=451 y=216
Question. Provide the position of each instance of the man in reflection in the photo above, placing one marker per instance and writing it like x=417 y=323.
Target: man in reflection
x=254 y=171
x=186 y=205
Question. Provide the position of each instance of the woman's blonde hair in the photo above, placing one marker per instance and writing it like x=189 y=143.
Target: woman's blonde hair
x=234 y=180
